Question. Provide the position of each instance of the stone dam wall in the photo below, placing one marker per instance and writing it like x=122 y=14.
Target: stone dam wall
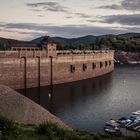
x=26 y=69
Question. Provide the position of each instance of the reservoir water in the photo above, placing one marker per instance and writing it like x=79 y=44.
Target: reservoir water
x=88 y=104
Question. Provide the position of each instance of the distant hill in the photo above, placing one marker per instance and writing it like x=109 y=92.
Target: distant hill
x=72 y=41
x=126 y=42
x=128 y=35
x=5 y=43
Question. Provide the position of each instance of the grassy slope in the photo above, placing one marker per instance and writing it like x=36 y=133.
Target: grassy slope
x=48 y=131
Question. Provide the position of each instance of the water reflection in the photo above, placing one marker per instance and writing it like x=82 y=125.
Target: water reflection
x=88 y=104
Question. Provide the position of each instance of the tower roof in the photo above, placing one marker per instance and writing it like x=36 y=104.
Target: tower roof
x=46 y=39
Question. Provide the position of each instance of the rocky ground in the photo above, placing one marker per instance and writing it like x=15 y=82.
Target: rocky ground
x=127 y=57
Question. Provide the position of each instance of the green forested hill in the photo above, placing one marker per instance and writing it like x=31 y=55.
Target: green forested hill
x=119 y=43
x=125 y=42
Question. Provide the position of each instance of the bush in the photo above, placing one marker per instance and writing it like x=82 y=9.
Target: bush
x=7 y=127
x=48 y=129
x=44 y=128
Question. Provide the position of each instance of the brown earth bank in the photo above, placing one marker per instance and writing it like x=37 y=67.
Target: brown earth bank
x=128 y=57
x=17 y=107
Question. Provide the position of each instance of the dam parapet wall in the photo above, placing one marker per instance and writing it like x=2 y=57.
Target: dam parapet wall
x=44 y=53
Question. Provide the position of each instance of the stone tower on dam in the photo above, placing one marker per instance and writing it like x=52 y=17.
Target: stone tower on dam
x=39 y=65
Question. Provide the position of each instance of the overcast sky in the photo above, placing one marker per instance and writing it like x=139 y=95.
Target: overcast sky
x=28 y=19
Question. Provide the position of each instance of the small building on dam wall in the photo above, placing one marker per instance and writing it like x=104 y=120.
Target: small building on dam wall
x=42 y=64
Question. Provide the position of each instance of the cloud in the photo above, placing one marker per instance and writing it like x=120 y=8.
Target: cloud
x=36 y=10
x=114 y=7
x=2 y=24
x=41 y=16
x=35 y=30
x=123 y=19
x=133 y=5
x=83 y=15
x=29 y=26
x=93 y=20
x=48 y=6
x=68 y=17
